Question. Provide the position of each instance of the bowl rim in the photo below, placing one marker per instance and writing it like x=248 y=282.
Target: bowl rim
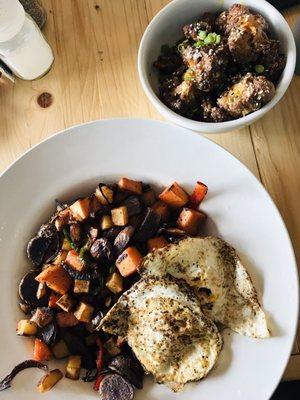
x=216 y=127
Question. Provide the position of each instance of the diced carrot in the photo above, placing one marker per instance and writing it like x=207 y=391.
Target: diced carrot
x=190 y=220
x=74 y=261
x=174 y=196
x=66 y=319
x=41 y=351
x=198 y=195
x=80 y=209
x=130 y=185
x=53 y=299
x=129 y=261
x=156 y=243
x=56 y=278
x=162 y=209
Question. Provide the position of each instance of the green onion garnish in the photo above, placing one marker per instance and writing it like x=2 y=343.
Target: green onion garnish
x=210 y=39
x=202 y=35
x=199 y=44
x=259 y=68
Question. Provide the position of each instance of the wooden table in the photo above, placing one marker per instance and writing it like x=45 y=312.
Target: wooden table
x=95 y=76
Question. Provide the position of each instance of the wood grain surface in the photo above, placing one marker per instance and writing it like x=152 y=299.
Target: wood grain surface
x=95 y=76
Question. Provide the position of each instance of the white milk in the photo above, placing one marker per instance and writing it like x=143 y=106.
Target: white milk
x=22 y=46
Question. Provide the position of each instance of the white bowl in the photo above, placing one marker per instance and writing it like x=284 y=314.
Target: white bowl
x=166 y=28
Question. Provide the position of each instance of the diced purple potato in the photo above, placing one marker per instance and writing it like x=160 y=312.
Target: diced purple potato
x=123 y=238
x=149 y=226
x=115 y=387
x=134 y=206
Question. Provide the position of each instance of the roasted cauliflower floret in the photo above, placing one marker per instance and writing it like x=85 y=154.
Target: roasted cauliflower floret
x=213 y=113
x=179 y=95
x=248 y=94
x=246 y=33
x=208 y=64
x=206 y=23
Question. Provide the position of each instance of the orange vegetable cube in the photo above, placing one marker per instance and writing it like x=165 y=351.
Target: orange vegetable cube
x=156 y=243
x=56 y=278
x=198 y=194
x=190 y=220
x=41 y=351
x=80 y=209
x=130 y=185
x=174 y=196
x=74 y=261
x=129 y=261
x=53 y=299
x=162 y=209
x=66 y=319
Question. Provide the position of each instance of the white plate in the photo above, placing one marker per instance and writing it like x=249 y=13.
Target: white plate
x=240 y=211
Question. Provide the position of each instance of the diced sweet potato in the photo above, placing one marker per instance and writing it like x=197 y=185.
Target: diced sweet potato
x=119 y=216
x=189 y=220
x=56 y=278
x=80 y=209
x=66 y=319
x=61 y=257
x=130 y=185
x=73 y=367
x=174 y=196
x=148 y=197
x=162 y=209
x=84 y=312
x=53 y=299
x=74 y=261
x=41 y=351
x=48 y=381
x=115 y=282
x=156 y=243
x=66 y=302
x=81 y=286
x=60 y=350
x=106 y=222
x=26 y=328
x=104 y=194
x=129 y=261
x=198 y=195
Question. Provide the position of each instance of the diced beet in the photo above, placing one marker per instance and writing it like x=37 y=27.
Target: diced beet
x=134 y=206
x=129 y=368
x=149 y=226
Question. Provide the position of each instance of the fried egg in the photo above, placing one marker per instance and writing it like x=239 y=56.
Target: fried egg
x=162 y=321
x=213 y=269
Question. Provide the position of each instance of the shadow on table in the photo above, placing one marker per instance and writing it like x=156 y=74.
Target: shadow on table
x=287 y=391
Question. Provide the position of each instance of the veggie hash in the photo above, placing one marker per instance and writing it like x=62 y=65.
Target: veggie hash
x=82 y=260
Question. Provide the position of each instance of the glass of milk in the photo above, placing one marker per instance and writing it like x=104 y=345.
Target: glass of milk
x=22 y=45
